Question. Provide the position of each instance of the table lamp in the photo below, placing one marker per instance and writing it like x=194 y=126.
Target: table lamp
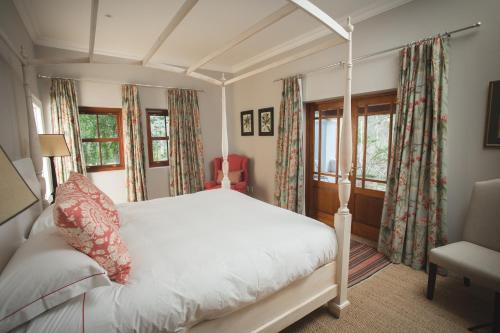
x=53 y=145
x=15 y=194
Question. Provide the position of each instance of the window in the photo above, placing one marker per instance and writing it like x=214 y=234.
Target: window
x=374 y=131
x=101 y=133
x=158 y=130
x=372 y=136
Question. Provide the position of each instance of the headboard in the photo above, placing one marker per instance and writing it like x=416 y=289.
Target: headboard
x=15 y=231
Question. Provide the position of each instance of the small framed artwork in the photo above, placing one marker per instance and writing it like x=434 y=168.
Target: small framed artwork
x=246 y=123
x=266 y=122
x=492 y=132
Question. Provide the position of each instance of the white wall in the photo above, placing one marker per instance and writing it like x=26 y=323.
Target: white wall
x=108 y=94
x=475 y=60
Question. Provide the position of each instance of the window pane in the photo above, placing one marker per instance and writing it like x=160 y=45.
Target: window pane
x=157 y=126
x=360 y=147
x=316 y=140
x=91 y=153
x=167 y=121
x=327 y=178
x=110 y=153
x=88 y=126
x=160 y=150
x=377 y=146
x=329 y=145
x=374 y=186
x=107 y=126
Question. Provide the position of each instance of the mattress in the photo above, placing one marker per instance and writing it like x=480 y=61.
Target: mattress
x=196 y=257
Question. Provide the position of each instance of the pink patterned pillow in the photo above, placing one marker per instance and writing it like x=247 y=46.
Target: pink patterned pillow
x=87 y=187
x=86 y=226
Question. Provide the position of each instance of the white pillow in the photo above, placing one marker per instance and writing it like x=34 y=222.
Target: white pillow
x=44 y=221
x=43 y=273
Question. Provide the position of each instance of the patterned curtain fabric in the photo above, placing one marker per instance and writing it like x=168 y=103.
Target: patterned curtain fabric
x=414 y=214
x=289 y=177
x=187 y=171
x=133 y=144
x=64 y=109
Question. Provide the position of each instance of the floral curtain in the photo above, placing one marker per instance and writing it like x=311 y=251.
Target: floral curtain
x=133 y=144
x=289 y=177
x=186 y=147
x=64 y=110
x=414 y=214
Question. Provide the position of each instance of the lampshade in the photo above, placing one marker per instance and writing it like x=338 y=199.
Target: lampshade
x=53 y=145
x=15 y=195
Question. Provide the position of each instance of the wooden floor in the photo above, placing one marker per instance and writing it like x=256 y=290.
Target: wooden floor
x=393 y=300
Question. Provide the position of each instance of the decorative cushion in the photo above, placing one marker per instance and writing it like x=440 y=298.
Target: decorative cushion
x=86 y=226
x=234 y=176
x=43 y=273
x=87 y=187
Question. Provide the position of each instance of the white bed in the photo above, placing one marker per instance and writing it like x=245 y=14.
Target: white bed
x=193 y=262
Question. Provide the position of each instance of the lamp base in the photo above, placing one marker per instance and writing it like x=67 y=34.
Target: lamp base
x=54 y=178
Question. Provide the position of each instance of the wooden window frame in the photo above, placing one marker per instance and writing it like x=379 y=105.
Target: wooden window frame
x=361 y=101
x=117 y=112
x=152 y=162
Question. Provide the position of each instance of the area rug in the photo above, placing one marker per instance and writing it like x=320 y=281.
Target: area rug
x=364 y=261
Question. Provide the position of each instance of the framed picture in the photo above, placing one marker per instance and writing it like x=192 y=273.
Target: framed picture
x=246 y=123
x=492 y=132
x=266 y=122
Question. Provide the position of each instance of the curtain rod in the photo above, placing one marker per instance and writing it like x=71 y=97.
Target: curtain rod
x=366 y=56
x=41 y=76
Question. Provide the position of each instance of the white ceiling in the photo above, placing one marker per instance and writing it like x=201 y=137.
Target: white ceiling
x=134 y=25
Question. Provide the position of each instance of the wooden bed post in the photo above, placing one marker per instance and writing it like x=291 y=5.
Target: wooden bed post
x=343 y=216
x=225 y=183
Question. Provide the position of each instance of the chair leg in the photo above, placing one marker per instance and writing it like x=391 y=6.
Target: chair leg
x=496 y=315
x=431 y=283
x=466 y=282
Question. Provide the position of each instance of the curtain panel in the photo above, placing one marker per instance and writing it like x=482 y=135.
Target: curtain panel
x=133 y=144
x=289 y=177
x=414 y=214
x=187 y=171
x=64 y=110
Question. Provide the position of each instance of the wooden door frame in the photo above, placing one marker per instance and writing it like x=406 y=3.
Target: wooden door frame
x=311 y=106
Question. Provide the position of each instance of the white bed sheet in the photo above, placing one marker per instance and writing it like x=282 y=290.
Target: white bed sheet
x=197 y=257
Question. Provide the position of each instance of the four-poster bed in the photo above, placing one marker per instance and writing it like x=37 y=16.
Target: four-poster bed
x=327 y=284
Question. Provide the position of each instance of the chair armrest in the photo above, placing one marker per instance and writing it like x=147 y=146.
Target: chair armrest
x=240 y=186
x=210 y=184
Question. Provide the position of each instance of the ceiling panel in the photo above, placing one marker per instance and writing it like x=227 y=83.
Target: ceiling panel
x=133 y=26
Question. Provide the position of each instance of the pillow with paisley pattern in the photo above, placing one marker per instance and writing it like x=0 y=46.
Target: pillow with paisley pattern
x=86 y=225
x=86 y=186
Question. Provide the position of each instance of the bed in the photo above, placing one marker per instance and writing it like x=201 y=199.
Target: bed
x=214 y=268
x=208 y=269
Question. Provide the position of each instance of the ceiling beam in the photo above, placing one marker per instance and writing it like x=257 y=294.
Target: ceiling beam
x=93 y=25
x=296 y=56
x=321 y=16
x=178 y=17
x=254 y=29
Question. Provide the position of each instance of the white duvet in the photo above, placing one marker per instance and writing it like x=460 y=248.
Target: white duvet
x=197 y=257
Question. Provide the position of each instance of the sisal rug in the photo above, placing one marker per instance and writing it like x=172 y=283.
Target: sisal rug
x=394 y=301
x=364 y=261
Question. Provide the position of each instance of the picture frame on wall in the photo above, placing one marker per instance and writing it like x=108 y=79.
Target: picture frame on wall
x=246 y=119
x=266 y=121
x=492 y=131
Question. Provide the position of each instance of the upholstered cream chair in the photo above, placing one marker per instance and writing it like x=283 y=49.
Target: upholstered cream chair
x=477 y=257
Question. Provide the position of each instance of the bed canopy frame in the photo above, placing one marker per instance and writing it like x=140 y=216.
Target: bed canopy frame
x=342 y=217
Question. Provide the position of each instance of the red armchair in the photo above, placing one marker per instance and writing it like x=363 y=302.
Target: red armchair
x=236 y=162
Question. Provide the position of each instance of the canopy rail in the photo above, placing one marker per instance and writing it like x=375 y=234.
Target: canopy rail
x=93 y=25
